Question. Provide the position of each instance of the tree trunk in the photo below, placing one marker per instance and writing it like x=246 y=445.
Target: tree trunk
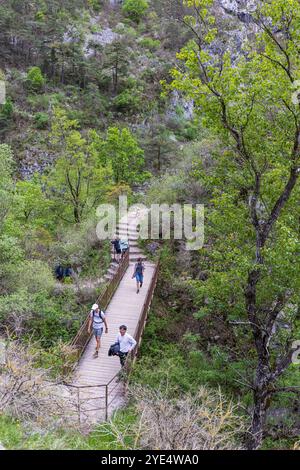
x=77 y=216
x=159 y=158
x=258 y=419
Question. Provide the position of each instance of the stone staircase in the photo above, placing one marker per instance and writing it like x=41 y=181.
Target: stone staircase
x=126 y=230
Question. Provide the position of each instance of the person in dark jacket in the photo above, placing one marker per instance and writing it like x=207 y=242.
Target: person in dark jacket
x=59 y=273
x=117 y=249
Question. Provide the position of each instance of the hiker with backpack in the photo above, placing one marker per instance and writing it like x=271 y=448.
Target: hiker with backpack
x=124 y=245
x=126 y=344
x=97 y=321
x=117 y=248
x=139 y=274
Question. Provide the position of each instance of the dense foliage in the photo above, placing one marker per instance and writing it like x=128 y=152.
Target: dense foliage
x=168 y=102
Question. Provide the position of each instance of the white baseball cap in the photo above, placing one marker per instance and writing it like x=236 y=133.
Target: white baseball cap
x=95 y=307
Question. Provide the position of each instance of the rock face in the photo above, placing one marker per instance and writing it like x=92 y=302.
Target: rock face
x=176 y=101
x=106 y=36
x=115 y=2
x=238 y=6
x=35 y=161
x=236 y=22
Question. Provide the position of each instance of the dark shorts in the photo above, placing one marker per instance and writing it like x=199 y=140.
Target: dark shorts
x=98 y=333
x=118 y=251
x=139 y=277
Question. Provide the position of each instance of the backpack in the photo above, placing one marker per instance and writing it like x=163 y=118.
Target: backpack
x=100 y=316
x=114 y=349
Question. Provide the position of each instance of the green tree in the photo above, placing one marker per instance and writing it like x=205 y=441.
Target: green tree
x=249 y=103
x=135 y=9
x=158 y=142
x=31 y=204
x=116 y=63
x=35 y=79
x=78 y=180
x=122 y=151
x=11 y=256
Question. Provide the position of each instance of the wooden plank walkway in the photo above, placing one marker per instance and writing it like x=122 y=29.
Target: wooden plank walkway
x=126 y=307
x=97 y=386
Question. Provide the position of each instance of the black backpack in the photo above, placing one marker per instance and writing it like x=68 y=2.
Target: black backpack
x=99 y=315
x=114 y=349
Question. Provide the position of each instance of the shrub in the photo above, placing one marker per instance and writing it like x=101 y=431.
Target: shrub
x=40 y=16
x=26 y=391
x=128 y=100
x=41 y=120
x=149 y=43
x=135 y=9
x=94 y=5
x=204 y=420
x=35 y=80
x=34 y=276
x=44 y=101
x=7 y=109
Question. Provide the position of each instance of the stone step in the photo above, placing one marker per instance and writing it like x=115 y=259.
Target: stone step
x=114 y=263
x=112 y=270
x=136 y=257
x=129 y=237
x=133 y=243
x=133 y=249
x=130 y=227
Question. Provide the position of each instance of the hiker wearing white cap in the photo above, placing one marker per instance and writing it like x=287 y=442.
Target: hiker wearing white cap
x=97 y=320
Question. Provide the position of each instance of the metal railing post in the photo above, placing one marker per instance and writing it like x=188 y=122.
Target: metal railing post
x=79 y=407
x=106 y=402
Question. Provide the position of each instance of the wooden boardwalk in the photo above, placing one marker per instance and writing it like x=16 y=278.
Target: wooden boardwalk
x=98 y=386
x=125 y=308
x=97 y=380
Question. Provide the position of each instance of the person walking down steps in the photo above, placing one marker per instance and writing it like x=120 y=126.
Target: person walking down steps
x=124 y=245
x=117 y=248
x=139 y=274
x=127 y=343
x=97 y=321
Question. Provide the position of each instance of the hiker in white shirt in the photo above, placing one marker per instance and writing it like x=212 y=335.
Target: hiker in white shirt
x=97 y=321
x=127 y=343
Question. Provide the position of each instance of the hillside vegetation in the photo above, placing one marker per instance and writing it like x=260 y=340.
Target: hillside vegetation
x=192 y=102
